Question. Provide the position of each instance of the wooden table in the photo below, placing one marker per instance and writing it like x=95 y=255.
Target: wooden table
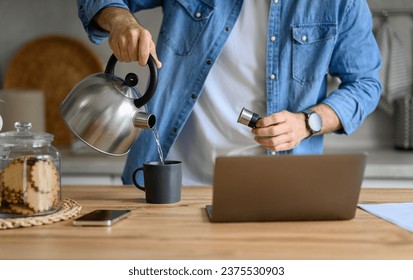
x=182 y=231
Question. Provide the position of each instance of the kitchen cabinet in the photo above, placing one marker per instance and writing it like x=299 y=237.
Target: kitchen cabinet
x=91 y=168
x=389 y=168
x=386 y=167
x=85 y=179
x=387 y=183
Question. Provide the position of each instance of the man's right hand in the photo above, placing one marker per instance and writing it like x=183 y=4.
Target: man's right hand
x=128 y=40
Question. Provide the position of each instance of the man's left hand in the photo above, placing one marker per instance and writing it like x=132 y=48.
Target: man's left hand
x=281 y=131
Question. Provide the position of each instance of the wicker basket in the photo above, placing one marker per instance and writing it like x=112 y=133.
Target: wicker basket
x=53 y=64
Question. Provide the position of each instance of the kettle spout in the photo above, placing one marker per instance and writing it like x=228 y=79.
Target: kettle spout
x=144 y=120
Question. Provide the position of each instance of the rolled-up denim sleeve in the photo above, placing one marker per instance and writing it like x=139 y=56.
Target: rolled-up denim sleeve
x=356 y=61
x=87 y=10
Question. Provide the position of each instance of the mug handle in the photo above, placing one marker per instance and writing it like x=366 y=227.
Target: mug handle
x=135 y=182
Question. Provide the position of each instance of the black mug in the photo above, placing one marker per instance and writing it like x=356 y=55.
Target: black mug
x=162 y=182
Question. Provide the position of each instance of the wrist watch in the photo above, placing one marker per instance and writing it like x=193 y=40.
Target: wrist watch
x=313 y=121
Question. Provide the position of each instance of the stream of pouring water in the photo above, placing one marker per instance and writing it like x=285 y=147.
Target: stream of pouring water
x=158 y=144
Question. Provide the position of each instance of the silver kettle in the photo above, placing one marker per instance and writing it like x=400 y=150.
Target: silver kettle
x=108 y=113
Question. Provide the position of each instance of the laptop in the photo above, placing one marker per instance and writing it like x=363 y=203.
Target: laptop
x=286 y=187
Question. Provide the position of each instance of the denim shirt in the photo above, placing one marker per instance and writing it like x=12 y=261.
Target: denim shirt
x=306 y=40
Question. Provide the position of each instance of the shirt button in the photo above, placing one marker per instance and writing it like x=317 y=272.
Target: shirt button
x=272 y=77
x=209 y=62
x=273 y=38
x=276 y=1
x=198 y=15
x=304 y=38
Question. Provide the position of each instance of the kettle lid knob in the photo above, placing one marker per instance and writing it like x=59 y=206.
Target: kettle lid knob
x=131 y=79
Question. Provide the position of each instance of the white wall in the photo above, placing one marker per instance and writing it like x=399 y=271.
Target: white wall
x=23 y=20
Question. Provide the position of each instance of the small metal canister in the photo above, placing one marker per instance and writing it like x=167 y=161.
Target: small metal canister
x=29 y=173
x=248 y=118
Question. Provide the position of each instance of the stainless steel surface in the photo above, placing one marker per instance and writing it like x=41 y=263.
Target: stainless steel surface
x=245 y=116
x=144 y=120
x=248 y=118
x=107 y=113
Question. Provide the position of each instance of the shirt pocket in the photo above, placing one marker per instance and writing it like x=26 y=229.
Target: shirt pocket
x=183 y=24
x=311 y=52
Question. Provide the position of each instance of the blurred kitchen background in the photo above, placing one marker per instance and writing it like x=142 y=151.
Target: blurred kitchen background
x=22 y=21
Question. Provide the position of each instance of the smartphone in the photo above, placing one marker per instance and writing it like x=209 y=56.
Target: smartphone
x=103 y=217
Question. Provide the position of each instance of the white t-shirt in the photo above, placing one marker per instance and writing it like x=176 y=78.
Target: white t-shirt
x=236 y=80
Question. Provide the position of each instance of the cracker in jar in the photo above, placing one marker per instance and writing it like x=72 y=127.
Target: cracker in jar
x=38 y=201
x=16 y=175
x=45 y=176
x=13 y=197
x=20 y=209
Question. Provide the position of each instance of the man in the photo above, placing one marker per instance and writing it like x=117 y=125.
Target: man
x=271 y=57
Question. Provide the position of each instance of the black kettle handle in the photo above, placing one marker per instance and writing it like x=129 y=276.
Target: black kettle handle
x=153 y=79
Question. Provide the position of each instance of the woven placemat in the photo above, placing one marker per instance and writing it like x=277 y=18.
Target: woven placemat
x=69 y=209
x=53 y=64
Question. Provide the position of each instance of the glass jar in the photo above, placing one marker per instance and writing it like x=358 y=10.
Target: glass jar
x=29 y=173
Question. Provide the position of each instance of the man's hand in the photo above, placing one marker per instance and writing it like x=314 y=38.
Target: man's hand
x=284 y=130
x=281 y=131
x=128 y=40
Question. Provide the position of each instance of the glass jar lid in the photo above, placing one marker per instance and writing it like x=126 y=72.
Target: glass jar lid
x=23 y=136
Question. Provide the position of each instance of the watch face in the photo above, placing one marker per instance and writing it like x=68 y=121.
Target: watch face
x=314 y=122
